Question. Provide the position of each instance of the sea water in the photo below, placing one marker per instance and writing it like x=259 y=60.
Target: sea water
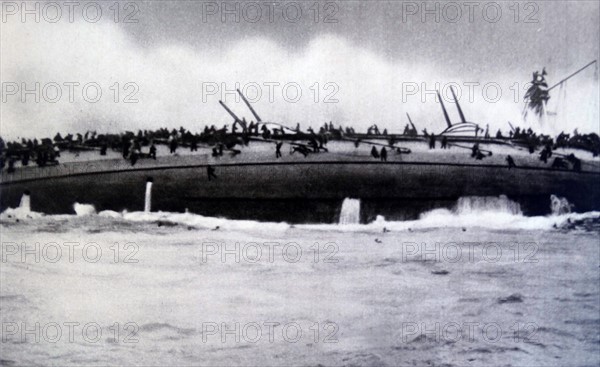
x=468 y=286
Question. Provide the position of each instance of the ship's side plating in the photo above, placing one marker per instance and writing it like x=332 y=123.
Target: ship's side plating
x=255 y=185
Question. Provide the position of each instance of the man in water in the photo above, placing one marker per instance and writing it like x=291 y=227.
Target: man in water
x=210 y=172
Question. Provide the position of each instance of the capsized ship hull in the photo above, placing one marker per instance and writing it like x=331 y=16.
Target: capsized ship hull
x=297 y=189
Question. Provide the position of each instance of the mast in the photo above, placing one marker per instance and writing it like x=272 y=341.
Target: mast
x=249 y=106
x=411 y=123
x=462 y=116
x=444 y=109
x=235 y=118
x=570 y=76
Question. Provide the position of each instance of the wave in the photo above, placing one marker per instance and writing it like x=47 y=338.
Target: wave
x=496 y=213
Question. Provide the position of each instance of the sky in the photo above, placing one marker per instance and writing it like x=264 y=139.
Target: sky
x=117 y=66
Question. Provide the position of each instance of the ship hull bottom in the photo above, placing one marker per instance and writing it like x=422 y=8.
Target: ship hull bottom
x=308 y=193
x=294 y=210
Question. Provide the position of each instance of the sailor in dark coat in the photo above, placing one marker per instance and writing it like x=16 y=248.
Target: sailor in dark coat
x=511 y=162
x=383 y=154
x=374 y=152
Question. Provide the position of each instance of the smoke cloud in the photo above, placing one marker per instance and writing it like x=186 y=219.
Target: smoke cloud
x=177 y=84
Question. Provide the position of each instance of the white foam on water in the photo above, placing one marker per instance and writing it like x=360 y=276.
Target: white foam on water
x=84 y=209
x=483 y=204
x=23 y=211
x=196 y=220
x=497 y=213
x=469 y=212
x=148 y=197
x=25 y=204
x=350 y=212
x=559 y=205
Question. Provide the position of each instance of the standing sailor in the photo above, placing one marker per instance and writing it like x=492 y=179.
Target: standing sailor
x=383 y=154
x=194 y=144
x=432 y=141
x=511 y=162
x=152 y=150
x=374 y=152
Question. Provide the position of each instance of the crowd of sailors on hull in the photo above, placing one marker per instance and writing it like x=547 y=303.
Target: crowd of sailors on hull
x=47 y=151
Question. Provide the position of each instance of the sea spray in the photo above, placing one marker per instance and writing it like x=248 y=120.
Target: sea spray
x=479 y=204
x=350 y=212
x=559 y=205
x=25 y=204
x=148 y=196
x=84 y=209
x=23 y=211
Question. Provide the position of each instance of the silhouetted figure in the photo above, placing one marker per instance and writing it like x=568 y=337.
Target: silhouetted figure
x=133 y=157
x=560 y=163
x=544 y=155
x=194 y=144
x=444 y=143
x=11 y=165
x=266 y=133
x=374 y=152
x=576 y=162
x=152 y=151
x=475 y=150
x=173 y=144
x=25 y=159
x=278 y=149
x=125 y=143
x=511 y=162
x=302 y=149
x=383 y=154
x=210 y=171
x=432 y=141
x=103 y=148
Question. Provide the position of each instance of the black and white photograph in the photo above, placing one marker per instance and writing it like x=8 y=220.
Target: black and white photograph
x=299 y=183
